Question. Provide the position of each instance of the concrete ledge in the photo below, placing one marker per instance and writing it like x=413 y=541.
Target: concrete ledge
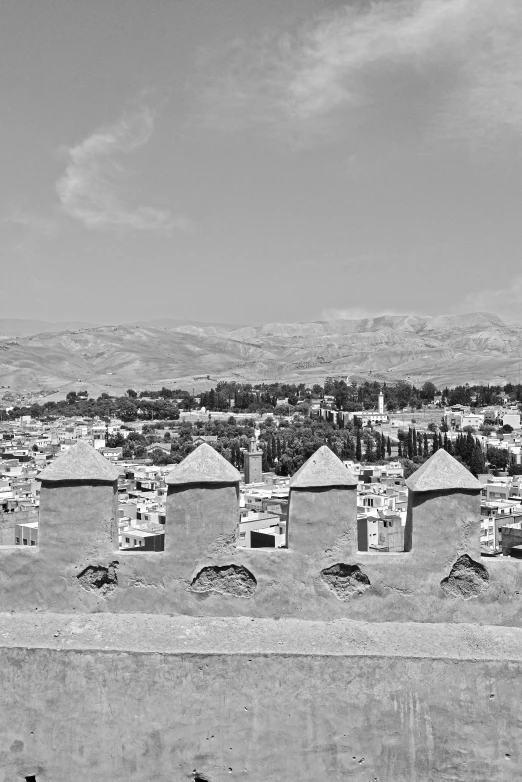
x=183 y=635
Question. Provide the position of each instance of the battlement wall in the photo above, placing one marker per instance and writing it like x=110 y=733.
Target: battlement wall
x=212 y=662
x=320 y=575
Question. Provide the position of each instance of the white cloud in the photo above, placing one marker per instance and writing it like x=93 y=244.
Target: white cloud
x=506 y=301
x=300 y=83
x=357 y=313
x=87 y=190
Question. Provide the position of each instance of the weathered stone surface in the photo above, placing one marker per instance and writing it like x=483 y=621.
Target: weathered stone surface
x=441 y=526
x=204 y=465
x=467 y=579
x=233 y=580
x=323 y=468
x=345 y=581
x=323 y=519
x=99 y=579
x=201 y=519
x=80 y=463
x=77 y=520
x=110 y=697
x=441 y=473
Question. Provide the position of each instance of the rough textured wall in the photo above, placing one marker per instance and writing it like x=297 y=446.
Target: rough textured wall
x=200 y=518
x=443 y=524
x=156 y=698
x=202 y=573
x=323 y=519
x=78 y=517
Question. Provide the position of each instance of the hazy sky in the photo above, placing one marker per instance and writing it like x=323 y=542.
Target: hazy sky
x=248 y=161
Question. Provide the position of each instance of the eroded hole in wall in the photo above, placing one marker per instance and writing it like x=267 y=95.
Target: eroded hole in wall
x=30 y=778
x=199 y=777
x=467 y=578
x=233 y=580
x=100 y=579
x=345 y=581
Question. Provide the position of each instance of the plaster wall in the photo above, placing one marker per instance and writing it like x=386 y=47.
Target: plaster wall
x=262 y=582
x=320 y=519
x=443 y=524
x=266 y=702
x=199 y=518
x=78 y=516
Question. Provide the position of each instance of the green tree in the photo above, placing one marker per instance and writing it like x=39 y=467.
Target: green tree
x=428 y=391
x=477 y=464
x=369 y=455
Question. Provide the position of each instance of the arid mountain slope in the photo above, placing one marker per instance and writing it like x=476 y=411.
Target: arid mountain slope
x=445 y=349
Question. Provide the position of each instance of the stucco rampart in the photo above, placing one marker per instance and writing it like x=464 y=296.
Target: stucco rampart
x=320 y=575
x=211 y=662
x=153 y=697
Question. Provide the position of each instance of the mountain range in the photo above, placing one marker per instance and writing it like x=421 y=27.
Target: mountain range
x=447 y=349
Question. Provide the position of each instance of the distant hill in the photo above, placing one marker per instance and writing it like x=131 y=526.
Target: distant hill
x=172 y=323
x=19 y=327
x=446 y=349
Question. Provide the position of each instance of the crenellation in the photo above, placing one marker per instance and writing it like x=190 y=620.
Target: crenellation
x=320 y=574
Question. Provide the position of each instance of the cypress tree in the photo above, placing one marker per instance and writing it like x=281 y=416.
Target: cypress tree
x=440 y=440
x=378 y=448
x=415 y=451
x=435 y=444
x=399 y=453
x=388 y=447
x=477 y=464
x=369 y=450
x=469 y=445
x=445 y=441
x=410 y=444
x=425 y=445
x=268 y=453
x=358 y=450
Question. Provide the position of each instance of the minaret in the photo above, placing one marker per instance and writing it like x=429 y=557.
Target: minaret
x=381 y=404
x=253 y=463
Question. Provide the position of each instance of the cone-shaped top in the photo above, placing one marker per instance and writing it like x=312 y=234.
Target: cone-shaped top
x=204 y=465
x=80 y=463
x=323 y=468
x=441 y=472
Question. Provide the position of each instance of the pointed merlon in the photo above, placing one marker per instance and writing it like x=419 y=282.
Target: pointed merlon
x=81 y=462
x=323 y=468
x=441 y=473
x=204 y=465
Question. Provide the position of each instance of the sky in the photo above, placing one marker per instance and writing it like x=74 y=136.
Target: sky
x=250 y=162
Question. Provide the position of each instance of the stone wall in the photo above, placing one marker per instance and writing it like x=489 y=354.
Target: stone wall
x=133 y=699
x=320 y=575
x=210 y=662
